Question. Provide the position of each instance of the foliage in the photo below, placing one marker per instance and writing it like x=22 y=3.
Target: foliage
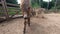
x=34 y=3
x=11 y=11
x=41 y=3
x=45 y=4
x=58 y=7
x=12 y=1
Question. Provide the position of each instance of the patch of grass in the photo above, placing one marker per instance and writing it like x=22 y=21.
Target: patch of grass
x=12 y=11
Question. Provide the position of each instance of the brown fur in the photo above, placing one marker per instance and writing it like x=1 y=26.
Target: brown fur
x=39 y=11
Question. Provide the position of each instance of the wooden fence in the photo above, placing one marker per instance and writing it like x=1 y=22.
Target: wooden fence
x=5 y=9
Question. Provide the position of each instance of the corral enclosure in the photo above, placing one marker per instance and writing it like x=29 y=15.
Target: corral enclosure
x=11 y=8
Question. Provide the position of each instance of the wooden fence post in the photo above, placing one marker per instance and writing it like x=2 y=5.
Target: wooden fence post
x=5 y=8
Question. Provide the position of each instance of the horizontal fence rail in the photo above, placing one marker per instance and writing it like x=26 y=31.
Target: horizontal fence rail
x=9 y=4
x=9 y=10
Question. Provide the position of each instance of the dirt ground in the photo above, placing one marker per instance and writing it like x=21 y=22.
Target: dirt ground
x=49 y=25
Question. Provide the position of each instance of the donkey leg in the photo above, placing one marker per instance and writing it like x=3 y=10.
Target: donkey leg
x=29 y=21
x=24 y=32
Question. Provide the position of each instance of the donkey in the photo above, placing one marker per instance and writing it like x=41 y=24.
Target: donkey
x=25 y=8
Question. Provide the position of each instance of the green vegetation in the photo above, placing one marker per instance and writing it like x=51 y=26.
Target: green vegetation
x=36 y=3
x=11 y=10
x=41 y=3
x=12 y=1
x=1 y=10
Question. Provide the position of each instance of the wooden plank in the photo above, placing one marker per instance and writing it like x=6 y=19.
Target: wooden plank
x=16 y=5
x=9 y=4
